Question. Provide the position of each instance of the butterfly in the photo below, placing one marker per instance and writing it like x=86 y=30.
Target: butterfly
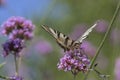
x=66 y=42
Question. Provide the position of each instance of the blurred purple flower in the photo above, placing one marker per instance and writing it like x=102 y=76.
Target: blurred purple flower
x=88 y=48
x=15 y=78
x=117 y=69
x=101 y=26
x=114 y=36
x=2 y=2
x=74 y=61
x=12 y=46
x=43 y=47
x=78 y=31
x=18 y=27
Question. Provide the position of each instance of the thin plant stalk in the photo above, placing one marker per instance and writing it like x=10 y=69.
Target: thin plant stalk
x=19 y=61
x=4 y=77
x=104 y=38
x=74 y=77
x=16 y=65
x=2 y=64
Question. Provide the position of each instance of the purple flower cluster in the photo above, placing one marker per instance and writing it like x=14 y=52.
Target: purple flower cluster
x=101 y=26
x=114 y=36
x=13 y=46
x=89 y=48
x=78 y=31
x=117 y=69
x=2 y=2
x=16 y=78
x=18 y=27
x=75 y=61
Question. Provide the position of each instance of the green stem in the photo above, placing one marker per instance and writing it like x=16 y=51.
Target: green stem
x=16 y=65
x=74 y=73
x=2 y=64
x=4 y=77
x=74 y=77
x=104 y=38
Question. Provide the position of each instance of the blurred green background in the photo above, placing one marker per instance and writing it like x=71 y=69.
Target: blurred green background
x=40 y=57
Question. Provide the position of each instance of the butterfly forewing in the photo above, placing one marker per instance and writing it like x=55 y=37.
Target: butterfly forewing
x=85 y=35
x=63 y=40
x=51 y=31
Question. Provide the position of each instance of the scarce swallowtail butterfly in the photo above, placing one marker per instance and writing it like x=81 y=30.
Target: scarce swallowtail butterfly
x=66 y=42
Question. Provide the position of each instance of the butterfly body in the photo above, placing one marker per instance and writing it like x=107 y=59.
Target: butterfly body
x=68 y=44
x=64 y=41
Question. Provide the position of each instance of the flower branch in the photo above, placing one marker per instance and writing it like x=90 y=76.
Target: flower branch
x=4 y=77
x=18 y=30
x=104 y=38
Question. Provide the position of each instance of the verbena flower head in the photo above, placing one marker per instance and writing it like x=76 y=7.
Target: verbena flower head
x=13 y=46
x=16 y=78
x=74 y=61
x=18 y=27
